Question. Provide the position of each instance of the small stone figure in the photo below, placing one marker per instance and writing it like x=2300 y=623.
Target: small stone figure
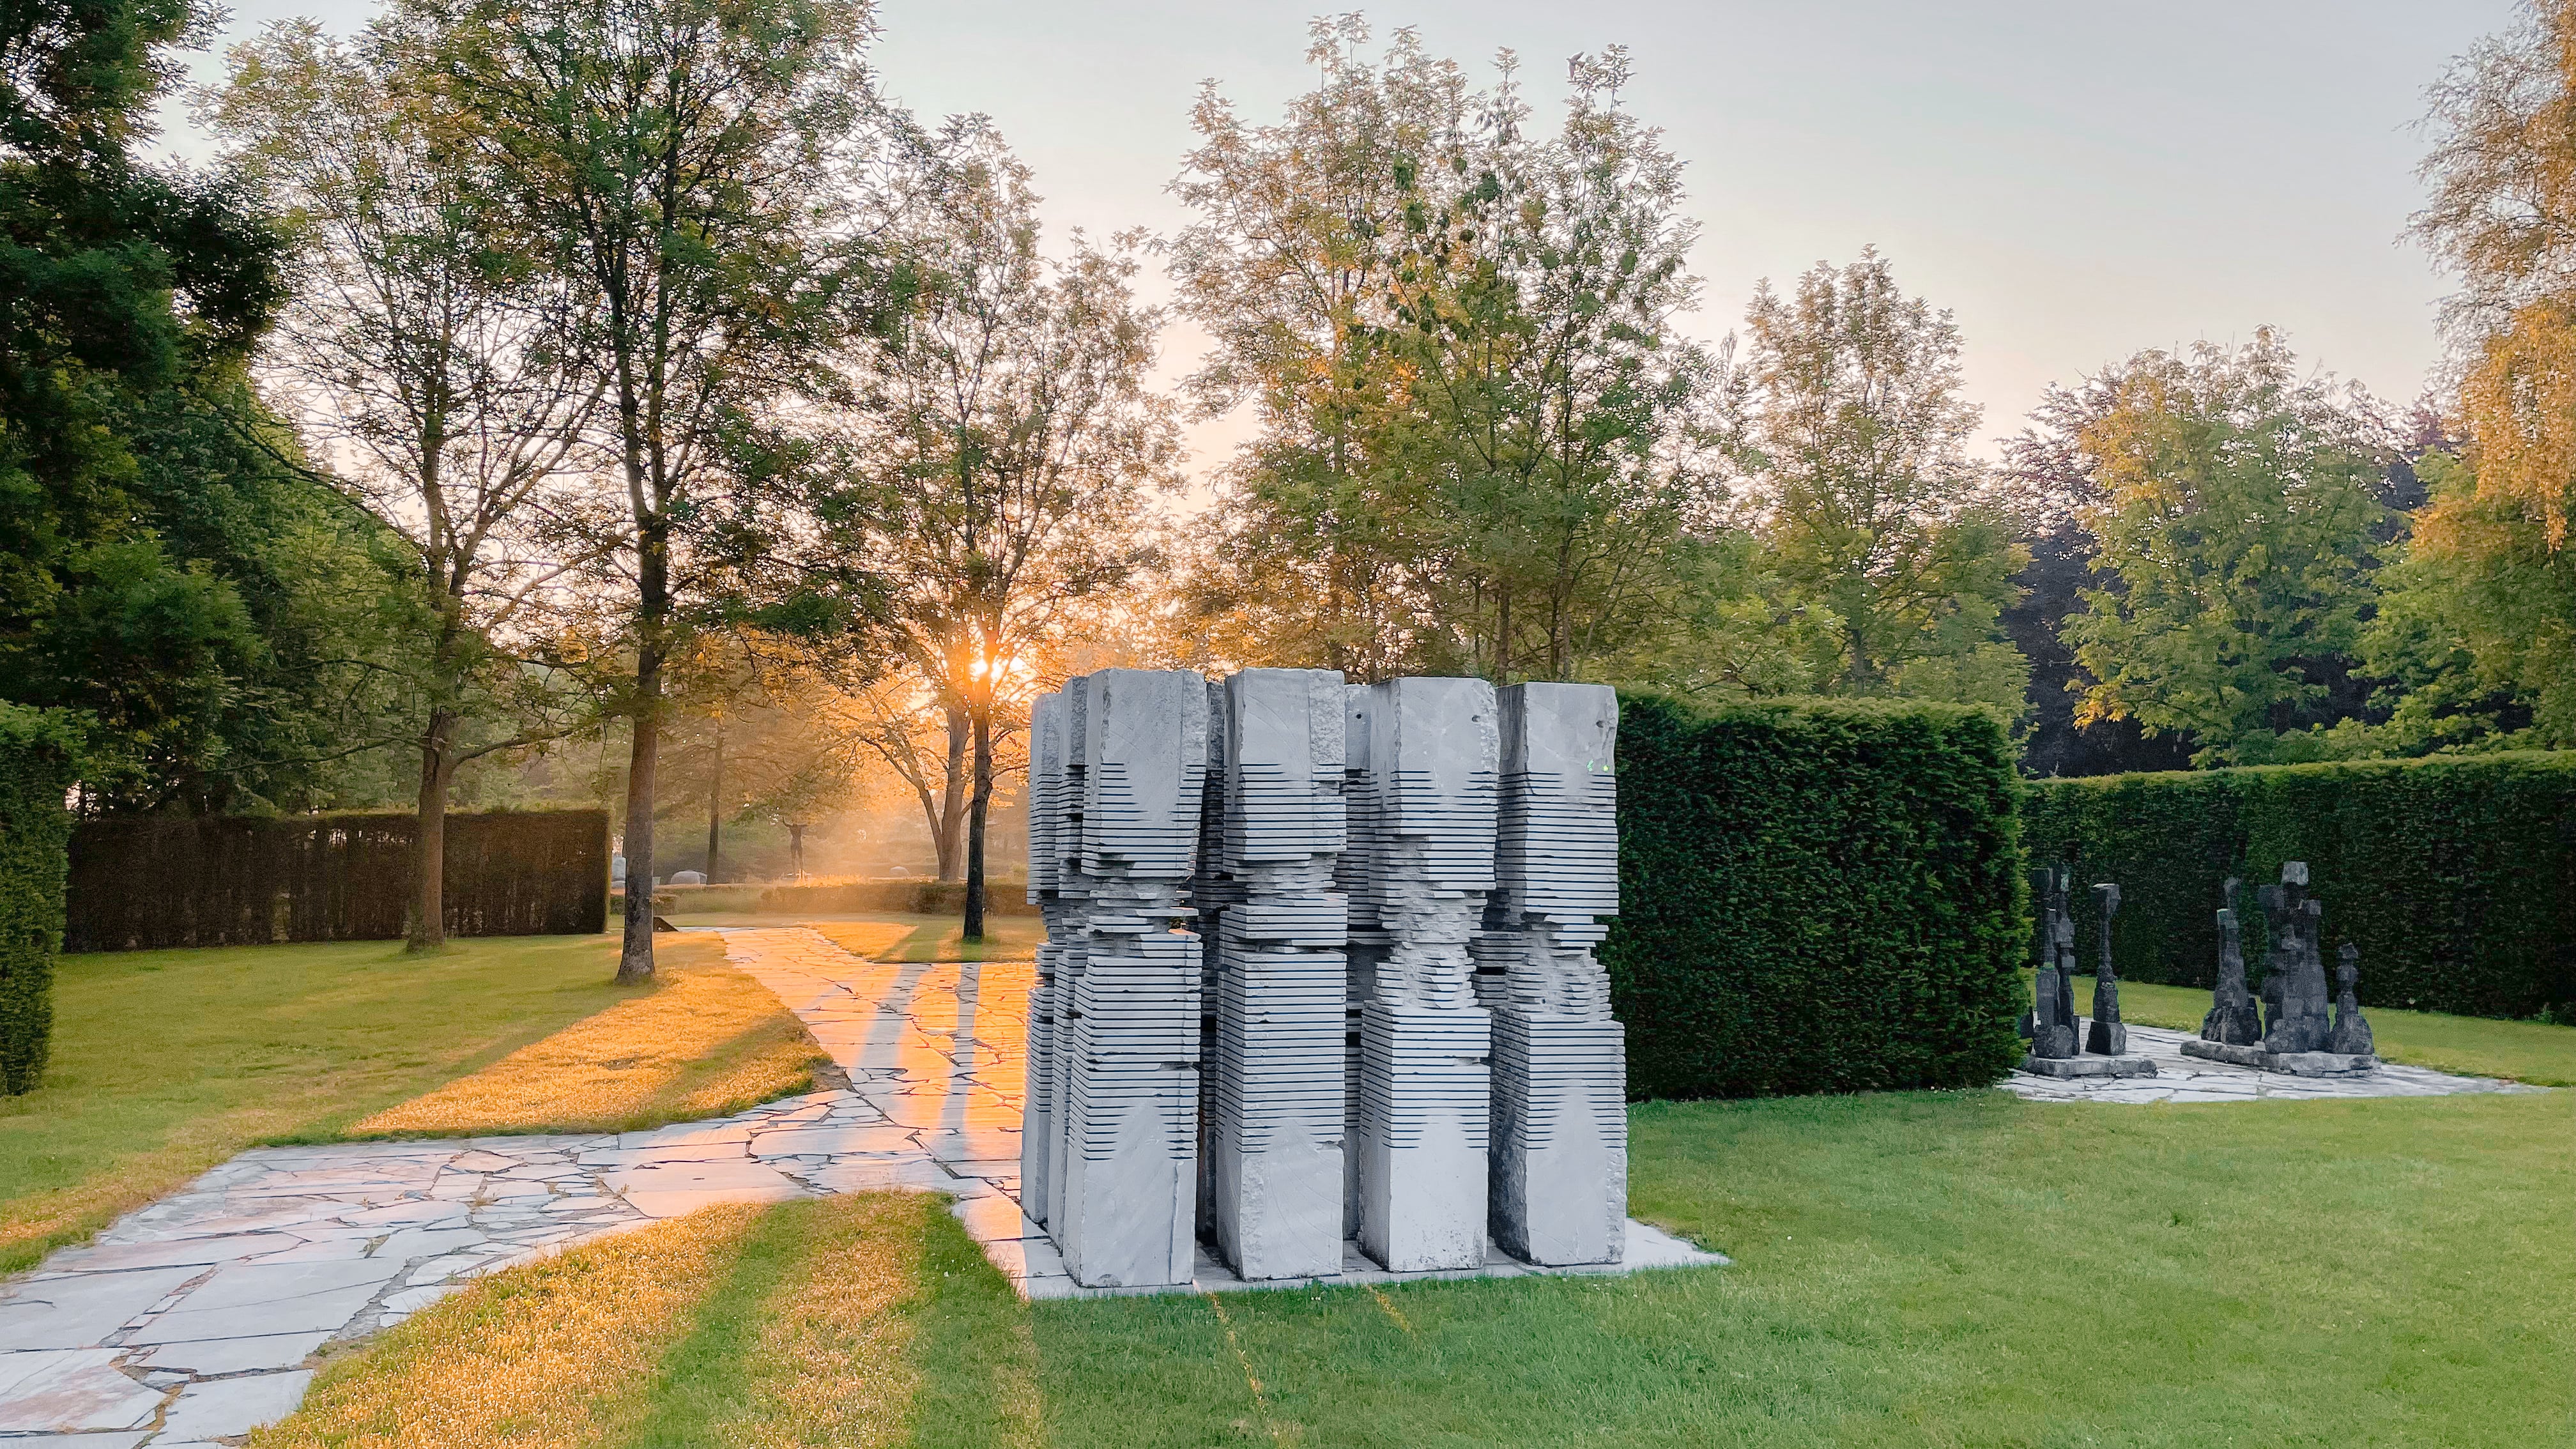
x=2234 y=1017
x=2106 y=1037
x=2294 y=982
x=2351 y=1028
x=2053 y=1006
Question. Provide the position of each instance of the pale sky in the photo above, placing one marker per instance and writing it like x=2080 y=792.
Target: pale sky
x=2074 y=181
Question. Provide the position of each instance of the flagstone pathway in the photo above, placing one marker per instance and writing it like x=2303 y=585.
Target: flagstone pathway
x=2180 y=1078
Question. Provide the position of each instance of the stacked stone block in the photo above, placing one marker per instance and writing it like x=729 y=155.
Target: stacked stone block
x=1122 y=1179
x=1276 y=1074
x=1424 y=1084
x=1559 y=1188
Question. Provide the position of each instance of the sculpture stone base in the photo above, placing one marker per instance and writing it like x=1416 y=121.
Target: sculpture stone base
x=1560 y=1138
x=2296 y=1064
x=2088 y=1066
x=1425 y=1105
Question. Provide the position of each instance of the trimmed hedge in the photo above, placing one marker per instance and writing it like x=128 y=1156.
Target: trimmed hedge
x=154 y=882
x=2455 y=875
x=38 y=756
x=1815 y=897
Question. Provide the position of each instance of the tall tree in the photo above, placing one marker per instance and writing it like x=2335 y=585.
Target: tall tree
x=2241 y=520
x=444 y=368
x=1545 y=390
x=1854 y=441
x=1001 y=453
x=690 y=165
x=167 y=572
x=1315 y=554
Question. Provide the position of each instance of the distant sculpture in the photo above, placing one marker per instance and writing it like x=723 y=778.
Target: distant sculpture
x=2351 y=1028
x=2294 y=978
x=2106 y=1037
x=2052 y=1033
x=2234 y=1017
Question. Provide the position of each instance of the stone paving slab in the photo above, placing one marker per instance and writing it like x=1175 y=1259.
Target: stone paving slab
x=2181 y=1078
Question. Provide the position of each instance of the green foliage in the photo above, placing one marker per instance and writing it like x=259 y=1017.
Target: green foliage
x=2238 y=531
x=1815 y=897
x=2455 y=875
x=37 y=754
x=1854 y=440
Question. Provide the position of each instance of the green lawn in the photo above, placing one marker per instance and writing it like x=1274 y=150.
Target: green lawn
x=167 y=1062
x=1912 y=1269
x=2526 y=1051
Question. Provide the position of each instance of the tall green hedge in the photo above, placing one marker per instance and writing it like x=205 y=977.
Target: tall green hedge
x=37 y=752
x=2456 y=876
x=1815 y=897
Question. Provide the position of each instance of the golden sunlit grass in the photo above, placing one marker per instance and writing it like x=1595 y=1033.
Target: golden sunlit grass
x=866 y=940
x=167 y=1062
x=843 y=1322
x=707 y=1040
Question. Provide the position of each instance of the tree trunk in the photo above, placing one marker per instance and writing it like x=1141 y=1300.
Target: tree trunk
x=635 y=956
x=715 y=807
x=429 y=838
x=796 y=852
x=952 y=796
x=974 y=924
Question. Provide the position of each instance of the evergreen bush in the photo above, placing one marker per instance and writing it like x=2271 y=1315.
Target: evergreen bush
x=1815 y=897
x=2455 y=875
x=37 y=755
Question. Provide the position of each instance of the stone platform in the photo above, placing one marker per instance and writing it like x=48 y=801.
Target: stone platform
x=2089 y=1066
x=2297 y=1064
x=2181 y=1077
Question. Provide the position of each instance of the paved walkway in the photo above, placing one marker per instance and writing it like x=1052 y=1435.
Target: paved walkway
x=192 y=1320
x=2180 y=1078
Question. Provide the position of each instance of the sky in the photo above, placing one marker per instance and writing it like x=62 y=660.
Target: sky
x=2073 y=181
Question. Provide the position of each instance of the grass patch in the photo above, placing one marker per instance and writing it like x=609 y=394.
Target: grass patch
x=1936 y=1268
x=2477 y=1046
x=1945 y=1269
x=706 y=1041
x=845 y=1322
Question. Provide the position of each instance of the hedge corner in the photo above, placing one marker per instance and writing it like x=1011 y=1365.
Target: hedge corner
x=38 y=764
x=1819 y=896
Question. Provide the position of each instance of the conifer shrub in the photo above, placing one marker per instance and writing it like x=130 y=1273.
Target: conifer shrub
x=37 y=766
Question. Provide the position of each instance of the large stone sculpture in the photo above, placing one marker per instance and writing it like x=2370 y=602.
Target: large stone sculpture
x=1389 y=1026
x=2234 y=1018
x=2106 y=1036
x=1276 y=1081
x=2297 y=1034
x=1121 y=1169
x=1559 y=1192
x=1424 y=1087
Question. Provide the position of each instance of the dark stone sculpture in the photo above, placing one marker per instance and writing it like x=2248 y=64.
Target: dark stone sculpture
x=2294 y=980
x=2351 y=1028
x=2053 y=1009
x=2233 y=1018
x=2106 y=1037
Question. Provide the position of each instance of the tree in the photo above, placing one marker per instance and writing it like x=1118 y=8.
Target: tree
x=689 y=166
x=169 y=576
x=2241 y=523
x=2502 y=169
x=1000 y=454
x=1854 y=442
x=444 y=368
x=1545 y=392
x=1315 y=553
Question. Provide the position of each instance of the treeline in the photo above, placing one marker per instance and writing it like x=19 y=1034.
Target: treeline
x=624 y=400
